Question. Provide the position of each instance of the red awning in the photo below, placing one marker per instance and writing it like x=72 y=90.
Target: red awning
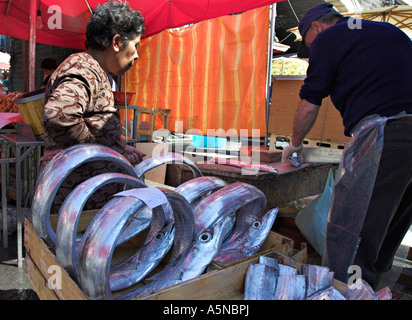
x=70 y=33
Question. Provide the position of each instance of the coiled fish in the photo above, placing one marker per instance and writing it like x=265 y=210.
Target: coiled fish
x=225 y=202
x=54 y=173
x=157 y=160
x=71 y=209
x=248 y=243
x=195 y=189
x=184 y=222
x=137 y=267
x=98 y=242
x=191 y=263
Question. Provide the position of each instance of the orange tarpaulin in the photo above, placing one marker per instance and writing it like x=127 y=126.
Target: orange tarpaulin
x=212 y=74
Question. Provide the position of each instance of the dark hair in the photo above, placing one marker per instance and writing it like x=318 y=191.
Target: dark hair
x=49 y=64
x=111 y=18
x=329 y=17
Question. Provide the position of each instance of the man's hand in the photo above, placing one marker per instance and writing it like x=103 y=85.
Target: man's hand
x=133 y=155
x=290 y=150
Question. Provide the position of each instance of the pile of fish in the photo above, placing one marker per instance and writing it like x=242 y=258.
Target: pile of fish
x=270 y=280
x=201 y=221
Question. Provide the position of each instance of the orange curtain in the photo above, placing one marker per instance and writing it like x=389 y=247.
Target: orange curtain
x=211 y=74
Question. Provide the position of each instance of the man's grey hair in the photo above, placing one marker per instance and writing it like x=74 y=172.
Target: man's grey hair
x=329 y=17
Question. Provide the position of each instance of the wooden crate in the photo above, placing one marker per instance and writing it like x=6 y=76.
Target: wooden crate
x=273 y=243
x=224 y=284
x=42 y=264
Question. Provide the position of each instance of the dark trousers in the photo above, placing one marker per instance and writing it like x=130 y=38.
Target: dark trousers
x=389 y=214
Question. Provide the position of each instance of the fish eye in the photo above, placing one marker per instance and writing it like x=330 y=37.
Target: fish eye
x=159 y=236
x=257 y=224
x=205 y=237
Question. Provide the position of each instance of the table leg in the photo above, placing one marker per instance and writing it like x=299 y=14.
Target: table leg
x=4 y=202
x=18 y=210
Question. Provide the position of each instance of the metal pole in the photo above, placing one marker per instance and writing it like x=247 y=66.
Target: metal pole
x=4 y=195
x=18 y=209
x=32 y=44
x=125 y=106
x=269 y=67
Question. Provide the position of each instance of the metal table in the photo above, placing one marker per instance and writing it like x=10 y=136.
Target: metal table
x=22 y=147
x=133 y=140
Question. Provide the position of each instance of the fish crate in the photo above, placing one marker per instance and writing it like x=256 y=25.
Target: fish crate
x=42 y=267
x=224 y=284
x=52 y=282
x=274 y=243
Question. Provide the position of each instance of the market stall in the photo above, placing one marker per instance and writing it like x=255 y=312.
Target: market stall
x=200 y=232
x=64 y=24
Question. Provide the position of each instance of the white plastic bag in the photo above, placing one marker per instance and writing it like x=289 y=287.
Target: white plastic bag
x=312 y=220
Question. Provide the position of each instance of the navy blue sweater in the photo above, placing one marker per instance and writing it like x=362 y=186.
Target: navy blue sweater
x=366 y=70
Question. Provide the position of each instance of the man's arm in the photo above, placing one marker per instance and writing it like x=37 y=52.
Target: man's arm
x=304 y=120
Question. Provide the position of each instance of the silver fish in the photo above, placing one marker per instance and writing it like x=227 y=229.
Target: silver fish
x=184 y=222
x=195 y=189
x=290 y=287
x=318 y=278
x=384 y=294
x=70 y=212
x=157 y=160
x=283 y=270
x=141 y=263
x=240 y=246
x=360 y=290
x=253 y=167
x=260 y=282
x=327 y=294
x=98 y=243
x=191 y=263
x=54 y=174
x=225 y=202
x=269 y=261
x=294 y=161
x=137 y=267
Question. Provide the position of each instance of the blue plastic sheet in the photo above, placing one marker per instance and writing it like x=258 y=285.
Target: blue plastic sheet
x=312 y=220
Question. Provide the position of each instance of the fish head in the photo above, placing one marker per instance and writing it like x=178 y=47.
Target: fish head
x=212 y=238
x=161 y=242
x=260 y=227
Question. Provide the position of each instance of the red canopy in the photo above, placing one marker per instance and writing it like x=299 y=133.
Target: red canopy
x=74 y=15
